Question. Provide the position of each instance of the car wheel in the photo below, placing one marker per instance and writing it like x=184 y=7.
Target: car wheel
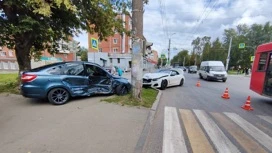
x=200 y=76
x=121 y=90
x=224 y=80
x=164 y=84
x=181 y=82
x=58 y=96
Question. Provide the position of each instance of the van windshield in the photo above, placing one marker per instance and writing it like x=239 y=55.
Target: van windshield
x=217 y=68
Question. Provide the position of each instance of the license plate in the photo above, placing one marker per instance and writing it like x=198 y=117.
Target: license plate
x=219 y=78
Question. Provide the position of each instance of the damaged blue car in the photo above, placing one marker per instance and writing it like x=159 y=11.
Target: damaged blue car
x=59 y=82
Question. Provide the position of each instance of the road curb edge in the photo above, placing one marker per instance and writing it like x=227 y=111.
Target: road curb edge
x=141 y=141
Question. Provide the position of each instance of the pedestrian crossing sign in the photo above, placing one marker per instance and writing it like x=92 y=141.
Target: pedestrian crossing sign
x=94 y=43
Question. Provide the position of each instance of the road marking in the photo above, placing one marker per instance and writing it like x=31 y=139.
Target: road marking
x=221 y=142
x=266 y=118
x=173 y=139
x=199 y=142
x=260 y=136
x=242 y=138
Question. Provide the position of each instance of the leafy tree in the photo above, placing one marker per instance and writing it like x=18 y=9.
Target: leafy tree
x=163 y=61
x=31 y=26
x=180 y=57
x=84 y=56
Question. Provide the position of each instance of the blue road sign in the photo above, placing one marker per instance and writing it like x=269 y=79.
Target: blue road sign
x=94 y=43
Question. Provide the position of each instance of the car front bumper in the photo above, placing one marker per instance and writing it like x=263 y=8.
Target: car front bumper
x=216 y=77
x=152 y=84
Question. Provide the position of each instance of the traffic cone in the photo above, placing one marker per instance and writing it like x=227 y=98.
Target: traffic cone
x=226 y=94
x=247 y=104
x=198 y=83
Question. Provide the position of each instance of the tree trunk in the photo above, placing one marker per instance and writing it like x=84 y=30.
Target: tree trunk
x=22 y=50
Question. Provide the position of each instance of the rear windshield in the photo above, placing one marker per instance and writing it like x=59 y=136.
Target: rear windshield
x=43 y=67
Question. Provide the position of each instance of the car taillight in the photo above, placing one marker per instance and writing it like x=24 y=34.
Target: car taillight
x=28 y=77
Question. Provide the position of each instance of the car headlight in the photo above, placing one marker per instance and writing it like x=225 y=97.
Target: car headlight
x=155 y=79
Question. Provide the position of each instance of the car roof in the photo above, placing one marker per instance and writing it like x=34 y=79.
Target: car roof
x=60 y=63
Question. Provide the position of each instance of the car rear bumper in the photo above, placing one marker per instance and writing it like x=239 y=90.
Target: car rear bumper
x=32 y=91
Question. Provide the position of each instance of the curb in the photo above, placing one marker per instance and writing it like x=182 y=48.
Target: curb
x=141 y=142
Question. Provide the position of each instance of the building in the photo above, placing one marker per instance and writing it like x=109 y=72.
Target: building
x=8 y=61
x=116 y=50
x=118 y=43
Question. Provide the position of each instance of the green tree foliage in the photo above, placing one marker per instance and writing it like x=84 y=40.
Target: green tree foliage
x=84 y=56
x=180 y=58
x=162 y=62
x=252 y=36
x=31 y=26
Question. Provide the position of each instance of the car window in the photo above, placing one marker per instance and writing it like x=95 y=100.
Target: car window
x=74 y=69
x=93 y=70
x=56 y=70
x=174 y=73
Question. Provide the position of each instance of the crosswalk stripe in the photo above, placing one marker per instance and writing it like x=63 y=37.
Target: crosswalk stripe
x=266 y=118
x=173 y=139
x=199 y=142
x=260 y=136
x=221 y=142
x=242 y=138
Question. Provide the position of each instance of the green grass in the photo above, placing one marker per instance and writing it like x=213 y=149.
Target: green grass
x=9 y=83
x=234 y=72
x=148 y=97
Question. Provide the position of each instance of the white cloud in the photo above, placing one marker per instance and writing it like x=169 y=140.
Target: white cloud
x=192 y=18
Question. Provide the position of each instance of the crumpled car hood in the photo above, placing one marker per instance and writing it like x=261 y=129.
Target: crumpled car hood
x=154 y=75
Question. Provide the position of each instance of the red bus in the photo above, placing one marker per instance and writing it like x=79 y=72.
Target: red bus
x=261 y=76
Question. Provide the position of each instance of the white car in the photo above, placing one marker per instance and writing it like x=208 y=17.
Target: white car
x=164 y=78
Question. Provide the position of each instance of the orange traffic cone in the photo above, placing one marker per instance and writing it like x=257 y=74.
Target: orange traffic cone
x=226 y=94
x=247 y=104
x=198 y=83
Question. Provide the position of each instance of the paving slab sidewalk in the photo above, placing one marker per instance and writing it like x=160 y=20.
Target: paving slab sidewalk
x=83 y=125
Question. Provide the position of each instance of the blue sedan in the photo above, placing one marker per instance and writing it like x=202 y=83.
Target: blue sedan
x=59 y=81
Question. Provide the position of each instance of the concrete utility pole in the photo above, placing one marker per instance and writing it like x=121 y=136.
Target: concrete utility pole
x=169 y=52
x=228 y=58
x=137 y=48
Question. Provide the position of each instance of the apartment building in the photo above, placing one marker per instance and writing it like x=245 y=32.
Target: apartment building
x=8 y=59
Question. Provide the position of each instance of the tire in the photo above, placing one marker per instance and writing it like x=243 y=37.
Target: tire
x=181 y=82
x=58 y=96
x=224 y=80
x=164 y=84
x=121 y=90
x=200 y=76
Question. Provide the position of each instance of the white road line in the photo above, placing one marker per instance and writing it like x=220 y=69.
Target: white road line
x=266 y=118
x=221 y=142
x=260 y=136
x=173 y=140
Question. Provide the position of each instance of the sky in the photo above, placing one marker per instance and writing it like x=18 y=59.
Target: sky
x=184 y=20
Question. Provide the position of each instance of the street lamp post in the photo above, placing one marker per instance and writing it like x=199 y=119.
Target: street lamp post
x=169 y=49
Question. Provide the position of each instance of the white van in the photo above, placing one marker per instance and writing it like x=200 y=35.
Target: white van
x=212 y=70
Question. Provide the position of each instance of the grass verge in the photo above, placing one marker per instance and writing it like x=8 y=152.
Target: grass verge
x=9 y=83
x=148 y=97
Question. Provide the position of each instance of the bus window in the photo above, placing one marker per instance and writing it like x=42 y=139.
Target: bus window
x=268 y=79
x=262 y=62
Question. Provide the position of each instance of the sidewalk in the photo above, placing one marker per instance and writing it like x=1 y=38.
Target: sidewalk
x=83 y=125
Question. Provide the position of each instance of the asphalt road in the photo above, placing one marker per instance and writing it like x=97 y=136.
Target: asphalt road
x=197 y=119
x=83 y=125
